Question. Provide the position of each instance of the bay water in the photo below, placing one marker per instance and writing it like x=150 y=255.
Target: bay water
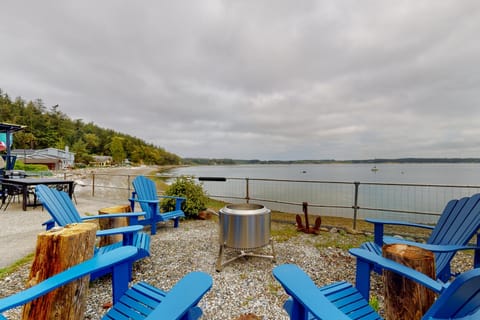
x=425 y=173
x=382 y=189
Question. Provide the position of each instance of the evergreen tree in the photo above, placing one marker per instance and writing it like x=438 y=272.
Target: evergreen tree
x=116 y=148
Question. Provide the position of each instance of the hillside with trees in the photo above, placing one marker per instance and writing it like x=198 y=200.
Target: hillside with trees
x=50 y=128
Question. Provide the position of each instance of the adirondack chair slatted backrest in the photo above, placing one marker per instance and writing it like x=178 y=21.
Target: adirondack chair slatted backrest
x=458 y=224
x=461 y=300
x=145 y=190
x=58 y=204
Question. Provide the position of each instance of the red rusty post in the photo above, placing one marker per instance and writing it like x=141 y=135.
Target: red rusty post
x=305 y=212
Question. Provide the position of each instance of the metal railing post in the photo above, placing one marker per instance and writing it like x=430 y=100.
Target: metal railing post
x=247 y=195
x=128 y=186
x=93 y=184
x=355 y=205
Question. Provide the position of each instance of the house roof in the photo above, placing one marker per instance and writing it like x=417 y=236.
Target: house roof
x=42 y=153
x=8 y=127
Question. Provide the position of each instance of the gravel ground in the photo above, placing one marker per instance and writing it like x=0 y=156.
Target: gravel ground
x=245 y=286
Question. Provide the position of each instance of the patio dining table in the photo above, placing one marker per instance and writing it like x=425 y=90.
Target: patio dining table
x=25 y=183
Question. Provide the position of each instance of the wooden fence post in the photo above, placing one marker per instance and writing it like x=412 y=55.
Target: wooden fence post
x=404 y=298
x=57 y=250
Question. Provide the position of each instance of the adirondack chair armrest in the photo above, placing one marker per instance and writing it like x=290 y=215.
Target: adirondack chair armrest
x=430 y=247
x=366 y=260
x=133 y=216
x=183 y=296
x=178 y=201
x=49 y=224
x=116 y=259
x=115 y=215
x=379 y=227
x=305 y=294
x=122 y=230
x=172 y=197
x=398 y=222
x=144 y=201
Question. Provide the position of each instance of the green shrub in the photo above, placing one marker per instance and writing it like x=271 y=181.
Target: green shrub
x=19 y=165
x=187 y=188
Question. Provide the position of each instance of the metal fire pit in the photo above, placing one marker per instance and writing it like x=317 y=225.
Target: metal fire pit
x=244 y=228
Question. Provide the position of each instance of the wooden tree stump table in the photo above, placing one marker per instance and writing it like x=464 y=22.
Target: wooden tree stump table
x=111 y=223
x=57 y=250
x=404 y=298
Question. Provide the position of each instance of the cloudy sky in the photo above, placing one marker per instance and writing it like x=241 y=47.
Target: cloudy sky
x=256 y=79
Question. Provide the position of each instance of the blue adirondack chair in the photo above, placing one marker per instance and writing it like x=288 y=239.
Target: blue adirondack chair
x=146 y=195
x=457 y=225
x=341 y=300
x=63 y=211
x=141 y=301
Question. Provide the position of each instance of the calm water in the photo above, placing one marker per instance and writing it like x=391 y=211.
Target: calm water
x=457 y=174
x=324 y=197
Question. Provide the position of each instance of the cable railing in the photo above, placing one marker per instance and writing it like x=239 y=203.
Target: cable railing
x=420 y=203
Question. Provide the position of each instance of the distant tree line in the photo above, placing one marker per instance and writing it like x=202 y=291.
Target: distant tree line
x=53 y=129
x=226 y=161
x=206 y=161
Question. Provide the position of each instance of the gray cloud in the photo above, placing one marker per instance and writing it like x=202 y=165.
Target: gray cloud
x=256 y=79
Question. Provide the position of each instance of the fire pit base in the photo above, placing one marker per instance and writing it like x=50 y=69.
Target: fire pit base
x=242 y=253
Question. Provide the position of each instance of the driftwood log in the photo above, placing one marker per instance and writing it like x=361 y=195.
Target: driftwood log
x=57 y=250
x=404 y=298
x=110 y=223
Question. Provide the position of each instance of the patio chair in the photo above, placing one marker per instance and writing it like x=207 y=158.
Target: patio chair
x=146 y=195
x=458 y=223
x=341 y=300
x=9 y=193
x=63 y=211
x=141 y=301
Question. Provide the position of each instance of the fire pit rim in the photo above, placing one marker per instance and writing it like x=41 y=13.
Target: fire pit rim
x=244 y=209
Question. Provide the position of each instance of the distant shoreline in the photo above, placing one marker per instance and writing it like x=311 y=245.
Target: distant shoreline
x=205 y=161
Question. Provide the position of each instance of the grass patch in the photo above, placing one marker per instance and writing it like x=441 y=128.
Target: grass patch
x=282 y=232
x=17 y=264
x=342 y=241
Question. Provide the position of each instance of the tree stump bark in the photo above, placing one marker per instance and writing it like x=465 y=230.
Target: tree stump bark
x=404 y=298
x=109 y=223
x=57 y=250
